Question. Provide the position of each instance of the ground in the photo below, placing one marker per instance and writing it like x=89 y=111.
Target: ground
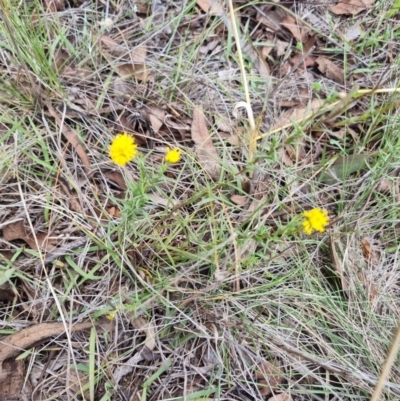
x=200 y=199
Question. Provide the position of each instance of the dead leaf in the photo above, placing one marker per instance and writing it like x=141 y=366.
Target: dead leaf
x=138 y=54
x=353 y=32
x=280 y=47
x=371 y=251
x=351 y=6
x=17 y=230
x=77 y=381
x=211 y=7
x=52 y=6
x=139 y=324
x=281 y=397
x=385 y=185
x=330 y=69
x=232 y=139
x=114 y=212
x=113 y=46
x=129 y=70
x=72 y=138
x=205 y=149
x=297 y=29
x=14 y=344
x=271 y=374
x=298 y=114
x=11 y=388
x=239 y=200
x=60 y=59
x=303 y=62
x=14 y=231
x=76 y=75
x=156 y=117
x=118 y=178
x=72 y=199
x=338 y=265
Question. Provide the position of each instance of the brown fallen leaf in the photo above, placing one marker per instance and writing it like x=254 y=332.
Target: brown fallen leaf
x=11 y=389
x=17 y=230
x=211 y=7
x=52 y=6
x=72 y=138
x=156 y=117
x=205 y=149
x=139 y=324
x=14 y=344
x=371 y=251
x=271 y=374
x=136 y=70
x=118 y=178
x=298 y=113
x=351 y=6
x=281 y=397
x=296 y=28
x=239 y=200
x=72 y=199
x=138 y=54
x=330 y=69
x=113 y=46
x=14 y=231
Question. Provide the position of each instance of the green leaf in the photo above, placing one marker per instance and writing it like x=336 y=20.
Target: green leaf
x=5 y=275
x=343 y=167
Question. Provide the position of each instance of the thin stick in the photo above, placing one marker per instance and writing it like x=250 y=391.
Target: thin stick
x=253 y=137
x=387 y=366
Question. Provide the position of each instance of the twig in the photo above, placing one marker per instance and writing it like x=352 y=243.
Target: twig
x=253 y=137
x=387 y=366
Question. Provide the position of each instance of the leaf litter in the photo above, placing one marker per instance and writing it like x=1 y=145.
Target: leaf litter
x=133 y=71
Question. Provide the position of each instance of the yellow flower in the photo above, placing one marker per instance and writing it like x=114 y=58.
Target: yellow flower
x=123 y=149
x=315 y=219
x=173 y=155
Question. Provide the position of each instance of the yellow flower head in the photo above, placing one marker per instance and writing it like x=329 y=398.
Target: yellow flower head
x=173 y=155
x=123 y=149
x=315 y=219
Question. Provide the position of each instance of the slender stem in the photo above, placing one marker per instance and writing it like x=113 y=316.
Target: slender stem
x=387 y=366
x=253 y=136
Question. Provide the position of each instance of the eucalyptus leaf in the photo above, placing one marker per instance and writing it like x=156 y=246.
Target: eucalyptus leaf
x=343 y=167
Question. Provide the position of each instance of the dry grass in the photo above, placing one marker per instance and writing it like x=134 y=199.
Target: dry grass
x=208 y=296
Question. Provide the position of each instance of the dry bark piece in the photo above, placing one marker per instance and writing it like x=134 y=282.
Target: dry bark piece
x=330 y=69
x=205 y=149
x=14 y=344
x=351 y=6
x=72 y=138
